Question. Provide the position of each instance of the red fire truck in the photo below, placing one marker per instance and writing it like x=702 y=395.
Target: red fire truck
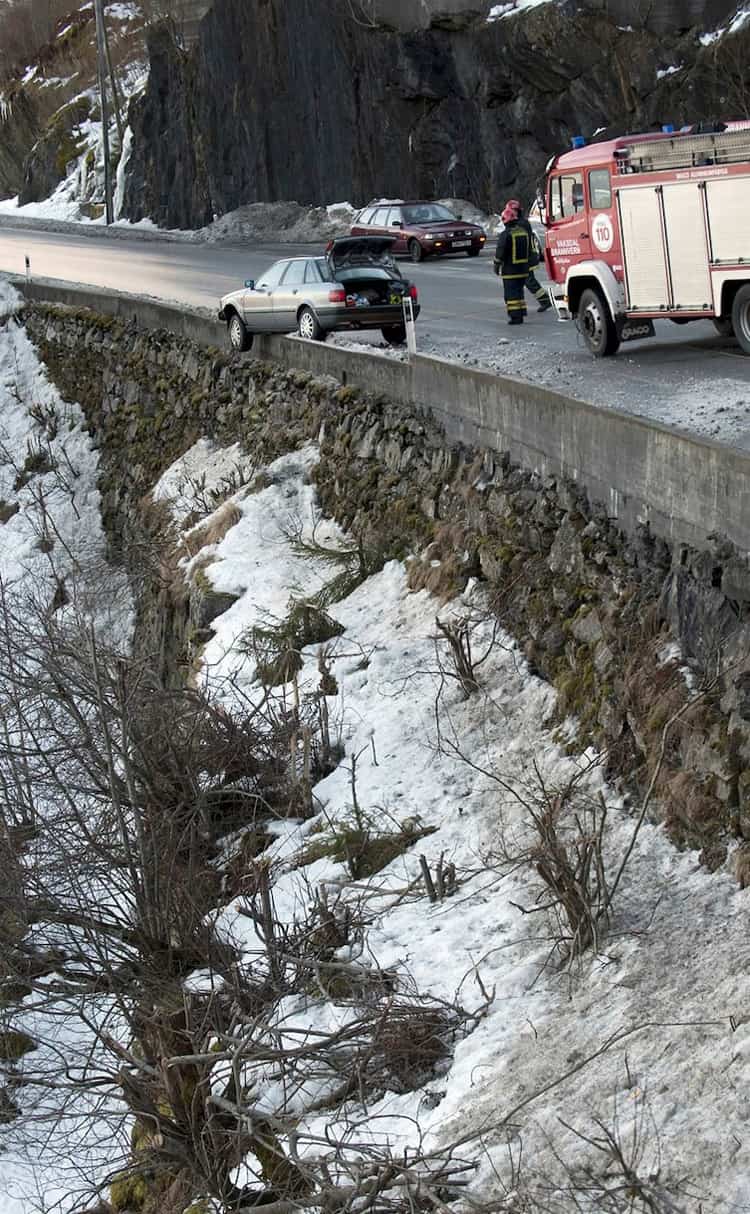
x=652 y=226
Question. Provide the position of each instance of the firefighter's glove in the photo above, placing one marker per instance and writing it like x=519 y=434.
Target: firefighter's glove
x=496 y=267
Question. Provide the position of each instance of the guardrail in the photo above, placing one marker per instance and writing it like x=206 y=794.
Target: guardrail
x=683 y=486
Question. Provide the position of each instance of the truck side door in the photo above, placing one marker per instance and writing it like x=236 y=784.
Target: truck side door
x=604 y=229
x=568 y=236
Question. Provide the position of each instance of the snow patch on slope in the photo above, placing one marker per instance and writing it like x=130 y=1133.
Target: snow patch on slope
x=650 y=1031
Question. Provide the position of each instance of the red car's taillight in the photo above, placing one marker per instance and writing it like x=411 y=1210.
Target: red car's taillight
x=337 y=296
x=413 y=292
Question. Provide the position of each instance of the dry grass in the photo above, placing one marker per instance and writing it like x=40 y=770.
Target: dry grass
x=213 y=530
x=446 y=564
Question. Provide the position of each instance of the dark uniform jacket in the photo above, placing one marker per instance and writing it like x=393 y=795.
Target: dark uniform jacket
x=514 y=254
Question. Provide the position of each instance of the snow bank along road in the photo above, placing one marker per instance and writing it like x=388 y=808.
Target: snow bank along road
x=686 y=376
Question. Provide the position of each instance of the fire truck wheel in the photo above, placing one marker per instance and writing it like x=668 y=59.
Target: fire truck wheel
x=741 y=317
x=724 y=326
x=596 y=324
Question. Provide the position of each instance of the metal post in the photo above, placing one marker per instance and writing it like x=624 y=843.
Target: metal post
x=409 y=325
x=101 y=68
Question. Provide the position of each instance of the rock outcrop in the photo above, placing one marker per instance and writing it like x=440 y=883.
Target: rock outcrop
x=283 y=99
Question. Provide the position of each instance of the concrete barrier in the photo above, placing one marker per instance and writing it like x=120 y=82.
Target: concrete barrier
x=683 y=486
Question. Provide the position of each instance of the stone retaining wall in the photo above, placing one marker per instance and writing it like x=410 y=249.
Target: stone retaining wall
x=595 y=610
x=683 y=486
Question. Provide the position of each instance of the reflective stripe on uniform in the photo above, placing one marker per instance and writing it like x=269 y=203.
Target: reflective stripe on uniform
x=515 y=237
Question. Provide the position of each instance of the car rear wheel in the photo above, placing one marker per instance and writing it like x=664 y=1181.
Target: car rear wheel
x=416 y=252
x=239 y=338
x=395 y=335
x=596 y=325
x=308 y=327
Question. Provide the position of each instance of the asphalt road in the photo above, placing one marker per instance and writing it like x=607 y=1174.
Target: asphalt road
x=686 y=376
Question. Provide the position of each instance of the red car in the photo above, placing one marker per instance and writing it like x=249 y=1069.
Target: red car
x=421 y=229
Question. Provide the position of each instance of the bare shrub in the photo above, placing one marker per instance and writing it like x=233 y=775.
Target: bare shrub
x=115 y=791
x=614 y=1165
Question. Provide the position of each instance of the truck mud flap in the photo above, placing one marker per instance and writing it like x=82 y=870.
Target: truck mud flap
x=635 y=330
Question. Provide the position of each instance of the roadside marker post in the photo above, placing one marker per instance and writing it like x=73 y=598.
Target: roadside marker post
x=28 y=268
x=409 y=324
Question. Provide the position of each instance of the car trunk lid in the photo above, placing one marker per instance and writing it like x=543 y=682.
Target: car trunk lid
x=357 y=250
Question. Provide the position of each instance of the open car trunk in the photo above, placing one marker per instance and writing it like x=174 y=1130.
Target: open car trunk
x=367 y=291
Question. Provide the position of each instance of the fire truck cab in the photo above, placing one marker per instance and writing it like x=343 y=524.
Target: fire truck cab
x=651 y=226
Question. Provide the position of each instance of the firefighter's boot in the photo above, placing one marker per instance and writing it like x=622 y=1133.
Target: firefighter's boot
x=544 y=304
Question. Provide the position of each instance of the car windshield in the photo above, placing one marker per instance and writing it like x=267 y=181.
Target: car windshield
x=428 y=212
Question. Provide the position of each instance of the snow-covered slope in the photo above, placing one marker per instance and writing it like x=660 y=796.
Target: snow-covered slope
x=612 y=1080
x=643 y=1038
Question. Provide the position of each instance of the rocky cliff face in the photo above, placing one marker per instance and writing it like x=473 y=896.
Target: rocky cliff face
x=664 y=16
x=285 y=99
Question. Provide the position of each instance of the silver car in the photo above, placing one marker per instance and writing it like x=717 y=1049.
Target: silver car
x=356 y=285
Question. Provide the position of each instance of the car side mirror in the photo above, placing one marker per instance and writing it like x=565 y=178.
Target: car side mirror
x=397 y=223
x=459 y=218
x=249 y=284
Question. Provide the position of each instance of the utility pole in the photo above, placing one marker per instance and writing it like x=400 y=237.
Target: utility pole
x=101 y=68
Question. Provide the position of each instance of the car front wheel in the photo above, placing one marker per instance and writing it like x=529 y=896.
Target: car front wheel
x=596 y=325
x=473 y=252
x=416 y=252
x=395 y=335
x=239 y=338
x=308 y=327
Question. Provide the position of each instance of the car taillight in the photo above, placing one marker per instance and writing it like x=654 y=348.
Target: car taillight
x=337 y=296
x=413 y=292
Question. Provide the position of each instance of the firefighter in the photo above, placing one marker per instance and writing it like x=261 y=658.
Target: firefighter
x=512 y=260
x=532 y=283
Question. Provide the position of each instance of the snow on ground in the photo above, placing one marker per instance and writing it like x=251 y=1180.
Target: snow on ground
x=286 y=222
x=52 y=535
x=270 y=222
x=52 y=549
x=652 y=1030
x=740 y=19
x=499 y=12
x=200 y=472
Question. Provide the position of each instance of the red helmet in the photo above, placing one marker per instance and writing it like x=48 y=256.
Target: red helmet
x=512 y=210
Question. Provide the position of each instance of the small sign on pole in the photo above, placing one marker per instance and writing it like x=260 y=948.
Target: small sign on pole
x=28 y=268
x=409 y=325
